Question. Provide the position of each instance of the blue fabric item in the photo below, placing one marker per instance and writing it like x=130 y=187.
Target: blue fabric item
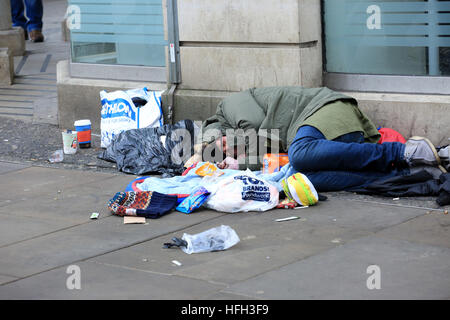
x=177 y=184
x=34 y=11
x=344 y=162
x=186 y=184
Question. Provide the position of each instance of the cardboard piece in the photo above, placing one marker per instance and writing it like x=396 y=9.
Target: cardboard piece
x=129 y=220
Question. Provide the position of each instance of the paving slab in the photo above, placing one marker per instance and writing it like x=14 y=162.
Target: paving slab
x=4 y=279
x=24 y=99
x=36 y=80
x=36 y=60
x=226 y=296
x=70 y=203
x=426 y=202
x=264 y=245
x=114 y=183
x=33 y=182
x=407 y=271
x=361 y=215
x=22 y=93
x=33 y=87
x=86 y=241
x=60 y=206
x=10 y=167
x=99 y=281
x=15 y=228
x=13 y=106
x=432 y=228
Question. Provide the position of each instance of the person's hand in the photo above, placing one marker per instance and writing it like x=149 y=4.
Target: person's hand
x=229 y=163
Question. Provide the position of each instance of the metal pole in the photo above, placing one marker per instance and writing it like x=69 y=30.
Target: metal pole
x=174 y=48
x=174 y=55
x=5 y=15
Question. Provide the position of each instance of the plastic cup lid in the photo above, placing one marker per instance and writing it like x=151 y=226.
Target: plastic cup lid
x=80 y=123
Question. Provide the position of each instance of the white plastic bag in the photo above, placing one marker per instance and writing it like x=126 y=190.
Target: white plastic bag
x=242 y=192
x=119 y=113
x=215 y=239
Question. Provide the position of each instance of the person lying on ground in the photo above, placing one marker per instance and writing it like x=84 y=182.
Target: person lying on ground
x=327 y=137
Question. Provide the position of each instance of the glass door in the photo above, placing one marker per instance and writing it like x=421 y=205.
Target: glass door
x=398 y=37
x=121 y=33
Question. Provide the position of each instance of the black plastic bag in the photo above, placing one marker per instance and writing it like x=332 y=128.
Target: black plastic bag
x=152 y=150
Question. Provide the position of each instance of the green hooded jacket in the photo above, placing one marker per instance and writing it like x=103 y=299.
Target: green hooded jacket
x=286 y=109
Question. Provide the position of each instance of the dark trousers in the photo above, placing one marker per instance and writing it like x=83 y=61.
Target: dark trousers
x=345 y=162
x=33 y=10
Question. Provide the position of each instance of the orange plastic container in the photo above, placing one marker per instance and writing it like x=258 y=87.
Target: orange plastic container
x=208 y=169
x=272 y=162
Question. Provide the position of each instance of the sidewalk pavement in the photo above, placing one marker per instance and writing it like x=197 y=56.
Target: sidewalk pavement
x=46 y=228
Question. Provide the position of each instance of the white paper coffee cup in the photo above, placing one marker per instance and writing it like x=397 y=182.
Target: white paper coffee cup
x=70 y=142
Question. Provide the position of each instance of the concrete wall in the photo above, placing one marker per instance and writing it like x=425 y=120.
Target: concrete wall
x=409 y=114
x=6 y=67
x=80 y=98
x=12 y=38
x=234 y=45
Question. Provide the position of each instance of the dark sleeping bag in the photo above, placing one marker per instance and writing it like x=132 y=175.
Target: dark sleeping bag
x=420 y=183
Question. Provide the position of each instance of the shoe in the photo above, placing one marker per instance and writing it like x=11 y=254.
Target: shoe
x=434 y=171
x=36 y=36
x=420 y=151
x=444 y=153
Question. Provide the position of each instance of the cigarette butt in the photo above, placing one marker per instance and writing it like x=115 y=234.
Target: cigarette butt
x=395 y=199
x=301 y=207
x=177 y=263
x=286 y=219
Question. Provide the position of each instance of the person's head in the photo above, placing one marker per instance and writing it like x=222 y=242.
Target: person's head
x=229 y=149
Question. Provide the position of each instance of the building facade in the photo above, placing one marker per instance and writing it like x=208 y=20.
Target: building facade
x=392 y=56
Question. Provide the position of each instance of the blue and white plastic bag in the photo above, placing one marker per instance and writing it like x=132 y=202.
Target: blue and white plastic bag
x=242 y=192
x=194 y=200
x=119 y=112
